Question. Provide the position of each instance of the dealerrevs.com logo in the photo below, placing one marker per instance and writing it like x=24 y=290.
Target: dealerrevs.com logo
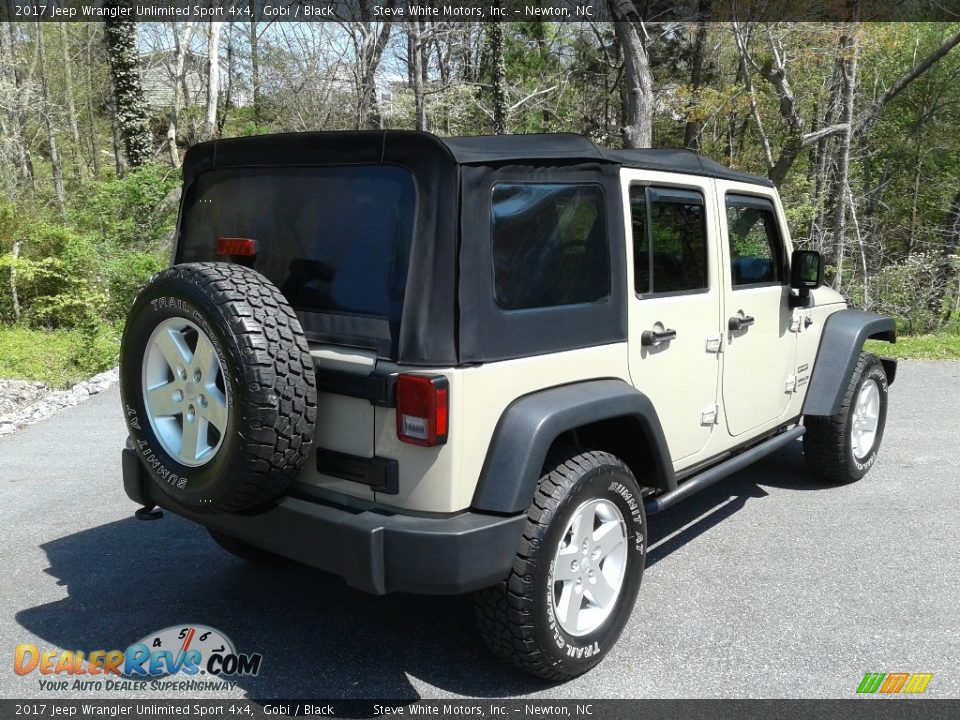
x=181 y=657
x=894 y=683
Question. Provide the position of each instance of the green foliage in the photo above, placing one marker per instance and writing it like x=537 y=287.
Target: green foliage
x=126 y=274
x=75 y=281
x=939 y=346
x=59 y=358
x=135 y=211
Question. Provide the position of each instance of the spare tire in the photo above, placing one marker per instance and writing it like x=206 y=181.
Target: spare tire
x=218 y=386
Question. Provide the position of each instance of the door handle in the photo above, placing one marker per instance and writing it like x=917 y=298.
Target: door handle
x=653 y=337
x=739 y=322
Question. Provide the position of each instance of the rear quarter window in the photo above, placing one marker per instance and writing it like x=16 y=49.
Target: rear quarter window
x=549 y=245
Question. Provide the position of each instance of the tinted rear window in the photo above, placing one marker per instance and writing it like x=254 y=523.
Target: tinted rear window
x=549 y=245
x=333 y=239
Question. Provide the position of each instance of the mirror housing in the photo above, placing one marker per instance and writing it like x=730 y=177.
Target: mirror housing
x=806 y=274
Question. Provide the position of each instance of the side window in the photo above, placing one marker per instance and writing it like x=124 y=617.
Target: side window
x=756 y=250
x=549 y=245
x=669 y=240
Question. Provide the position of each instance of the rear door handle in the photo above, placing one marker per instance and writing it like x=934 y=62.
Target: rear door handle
x=653 y=338
x=739 y=322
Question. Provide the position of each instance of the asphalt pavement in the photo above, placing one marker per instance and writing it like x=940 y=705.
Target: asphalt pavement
x=766 y=585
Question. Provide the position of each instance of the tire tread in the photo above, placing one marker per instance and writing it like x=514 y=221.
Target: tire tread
x=504 y=612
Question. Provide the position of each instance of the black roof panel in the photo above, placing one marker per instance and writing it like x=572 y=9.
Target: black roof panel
x=382 y=145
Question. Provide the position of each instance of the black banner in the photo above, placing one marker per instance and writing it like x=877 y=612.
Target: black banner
x=652 y=11
x=854 y=709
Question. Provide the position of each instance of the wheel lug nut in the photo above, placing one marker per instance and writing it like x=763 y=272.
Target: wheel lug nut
x=181 y=372
x=574 y=565
x=178 y=396
x=197 y=375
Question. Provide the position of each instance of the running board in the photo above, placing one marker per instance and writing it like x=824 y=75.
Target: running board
x=718 y=472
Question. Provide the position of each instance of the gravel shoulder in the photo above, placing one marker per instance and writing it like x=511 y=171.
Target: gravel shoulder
x=766 y=585
x=24 y=402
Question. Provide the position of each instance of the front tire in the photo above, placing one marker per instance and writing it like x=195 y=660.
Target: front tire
x=577 y=570
x=843 y=447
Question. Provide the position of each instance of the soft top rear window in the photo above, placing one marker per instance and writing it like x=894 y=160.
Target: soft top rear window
x=333 y=239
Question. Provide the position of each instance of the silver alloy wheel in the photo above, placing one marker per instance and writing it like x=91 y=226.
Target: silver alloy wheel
x=866 y=419
x=184 y=392
x=589 y=566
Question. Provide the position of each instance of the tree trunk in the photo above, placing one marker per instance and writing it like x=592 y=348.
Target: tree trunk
x=55 y=167
x=119 y=159
x=918 y=173
x=71 y=107
x=416 y=71
x=94 y=149
x=951 y=244
x=691 y=134
x=228 y=91
x=370 y=47
x=131 y=111
x=14 y=295
x=213 y=81
x=849 y=55
x=499 y=71
x=255 y=63
x=183 y=47
x=637 y=78
x=822 y=164
x=17 y=113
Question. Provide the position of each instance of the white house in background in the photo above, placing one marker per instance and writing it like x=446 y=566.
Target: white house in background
x=159 y=70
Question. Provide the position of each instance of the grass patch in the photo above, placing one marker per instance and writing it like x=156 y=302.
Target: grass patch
x=942 y=346
x=59 y=358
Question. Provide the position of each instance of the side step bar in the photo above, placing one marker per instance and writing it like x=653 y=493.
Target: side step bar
x=718 y=472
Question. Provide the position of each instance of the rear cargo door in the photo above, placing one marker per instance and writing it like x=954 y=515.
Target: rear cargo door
x=336 y=240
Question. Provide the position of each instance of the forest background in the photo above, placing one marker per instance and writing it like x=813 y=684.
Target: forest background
x=858 y=124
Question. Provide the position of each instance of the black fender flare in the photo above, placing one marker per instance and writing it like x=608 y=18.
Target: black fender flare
x=840 y=344
x=530 y=425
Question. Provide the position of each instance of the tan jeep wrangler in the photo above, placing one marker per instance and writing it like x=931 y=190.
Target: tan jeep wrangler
x=479 y=364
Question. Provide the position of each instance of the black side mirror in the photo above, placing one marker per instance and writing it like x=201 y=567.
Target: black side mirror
x=806 y=274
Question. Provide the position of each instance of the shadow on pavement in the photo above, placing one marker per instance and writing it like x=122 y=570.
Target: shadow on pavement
x=318 y=637
x=691 y=518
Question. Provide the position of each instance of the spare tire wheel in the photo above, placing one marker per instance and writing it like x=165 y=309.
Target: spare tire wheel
x=218 y=386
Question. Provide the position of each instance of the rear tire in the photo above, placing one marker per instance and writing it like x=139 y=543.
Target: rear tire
x=577 y=570
x=843 y=447
x=218 y=386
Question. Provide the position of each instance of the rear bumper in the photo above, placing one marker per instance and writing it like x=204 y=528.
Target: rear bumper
x=373 y=551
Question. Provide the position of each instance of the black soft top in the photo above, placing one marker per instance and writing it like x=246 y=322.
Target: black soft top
x=372 y=146
x=449 y=314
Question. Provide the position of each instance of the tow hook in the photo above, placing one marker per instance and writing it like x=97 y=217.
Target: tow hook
x=148 y=512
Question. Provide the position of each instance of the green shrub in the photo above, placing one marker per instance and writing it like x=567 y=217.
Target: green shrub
x=59 y=358
x=905 y=291
x=85 y=273
x=126 y=274
x=138 y=210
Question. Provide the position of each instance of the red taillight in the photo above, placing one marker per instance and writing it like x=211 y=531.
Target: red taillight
x=422 y=409
x=236 y=246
